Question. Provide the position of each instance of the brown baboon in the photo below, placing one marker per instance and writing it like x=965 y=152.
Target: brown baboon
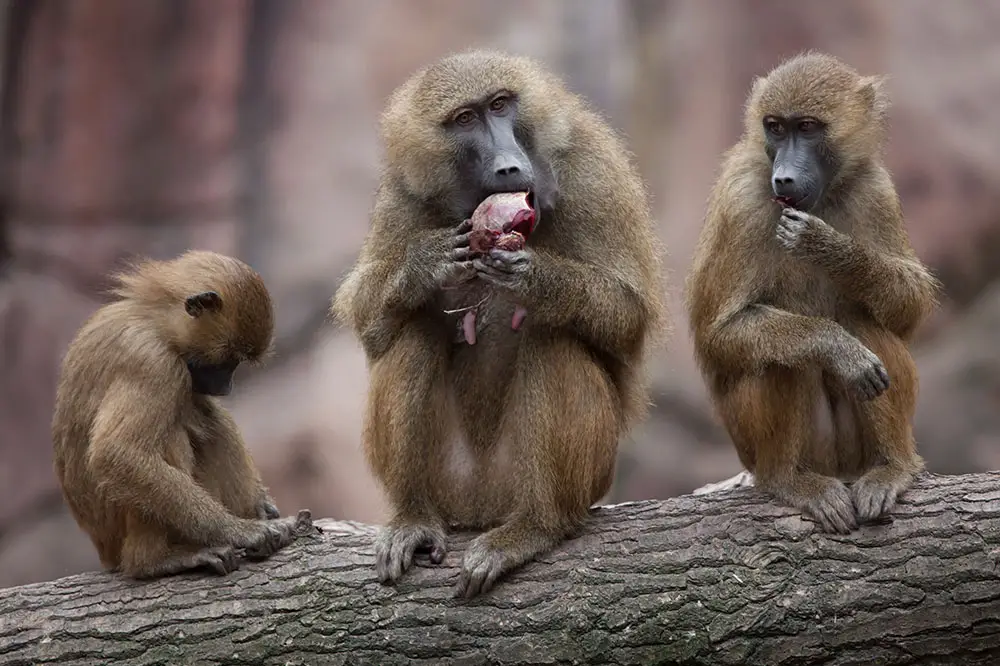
x=802 y=310
x=518 y=432
x=151 y=466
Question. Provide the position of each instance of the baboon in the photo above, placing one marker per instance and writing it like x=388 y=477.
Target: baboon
x=151 y=466
x=518 y=433
x=805 y=293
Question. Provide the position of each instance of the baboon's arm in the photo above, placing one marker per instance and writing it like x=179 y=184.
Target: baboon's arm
x=133 y=434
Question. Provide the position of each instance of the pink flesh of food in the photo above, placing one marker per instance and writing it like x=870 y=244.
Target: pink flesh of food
x=502 y=213
x=520 y=313
x=469 y=326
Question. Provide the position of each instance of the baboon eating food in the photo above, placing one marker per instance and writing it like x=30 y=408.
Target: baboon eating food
x=518 y=433
x=805 y=293
x=503 y=221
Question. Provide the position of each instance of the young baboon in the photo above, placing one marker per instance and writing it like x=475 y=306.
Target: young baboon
x=151 y=466
x=518 y=433
x=804 y=295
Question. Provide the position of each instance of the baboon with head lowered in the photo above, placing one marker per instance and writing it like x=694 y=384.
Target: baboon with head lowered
x=517 y=433
x=151 y=466
x=805 y=293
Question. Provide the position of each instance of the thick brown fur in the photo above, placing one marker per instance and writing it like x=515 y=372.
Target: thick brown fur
x=158 y=476
x=519 y=432
x=783 y=330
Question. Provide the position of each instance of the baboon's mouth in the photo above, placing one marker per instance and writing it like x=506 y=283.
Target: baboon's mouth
x=787 y=202
x=525 y=220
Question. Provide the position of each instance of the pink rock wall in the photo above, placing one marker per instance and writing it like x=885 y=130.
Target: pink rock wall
x=249 y=128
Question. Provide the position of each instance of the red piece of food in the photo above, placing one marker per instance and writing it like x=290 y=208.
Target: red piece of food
x=503 y=220
x=510 y=242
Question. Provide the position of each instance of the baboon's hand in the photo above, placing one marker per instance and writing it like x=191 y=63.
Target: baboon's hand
x=876 y=492
x=482 y=565
x=803 y=234
x=455 y=267
x=267 y=509
x=832 y=507
x=221 y=560
x=397 y=543
x=860 y=371
x=504 y=268
x=873 y=498
x=266 y=537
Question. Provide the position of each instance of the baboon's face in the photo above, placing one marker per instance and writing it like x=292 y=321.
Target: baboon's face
x=802 y=164
x=495 y=152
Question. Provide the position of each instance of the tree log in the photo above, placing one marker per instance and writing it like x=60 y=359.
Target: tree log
x=724 y=578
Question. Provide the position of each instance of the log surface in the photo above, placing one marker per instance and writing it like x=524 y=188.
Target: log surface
x=723 y=579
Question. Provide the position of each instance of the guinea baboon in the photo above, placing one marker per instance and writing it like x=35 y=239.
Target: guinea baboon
x=518 y=433
x=151 y=466
x=802 y=310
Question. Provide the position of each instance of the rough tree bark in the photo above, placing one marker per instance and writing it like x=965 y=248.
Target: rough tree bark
x=725 y=578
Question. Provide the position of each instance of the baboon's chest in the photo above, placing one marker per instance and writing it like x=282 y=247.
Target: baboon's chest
x=481 y=373
x=804 y=289
x=491 y=310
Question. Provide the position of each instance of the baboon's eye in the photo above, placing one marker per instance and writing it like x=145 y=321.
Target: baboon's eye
x=465 y=117
x=498 y=104
x=808 y=125
x=774 y=127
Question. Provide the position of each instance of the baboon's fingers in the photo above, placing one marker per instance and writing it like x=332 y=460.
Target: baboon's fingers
x=438 y=551
x=456 y=272
x=499 y=270
x=508 y=257
x=220 y=560
x=833 y=509
x=874 y=383
x=397 y=545
x=490 y=273
x=435 y=544
x=883 y=377
x=383 y=550
x=400 y=555
x=481 y=567
x=866 y=389
x=839 y=523
x=875 y=493
x=267 y=510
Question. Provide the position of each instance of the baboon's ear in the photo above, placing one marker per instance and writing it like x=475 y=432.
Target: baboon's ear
x=207 y=301
x=873 y=92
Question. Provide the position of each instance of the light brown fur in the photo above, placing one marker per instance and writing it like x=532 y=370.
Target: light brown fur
x=519 y=432
x=777 y=331
x=158 y=476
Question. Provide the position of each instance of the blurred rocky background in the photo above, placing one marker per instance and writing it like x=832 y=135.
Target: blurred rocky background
x=248 y=127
